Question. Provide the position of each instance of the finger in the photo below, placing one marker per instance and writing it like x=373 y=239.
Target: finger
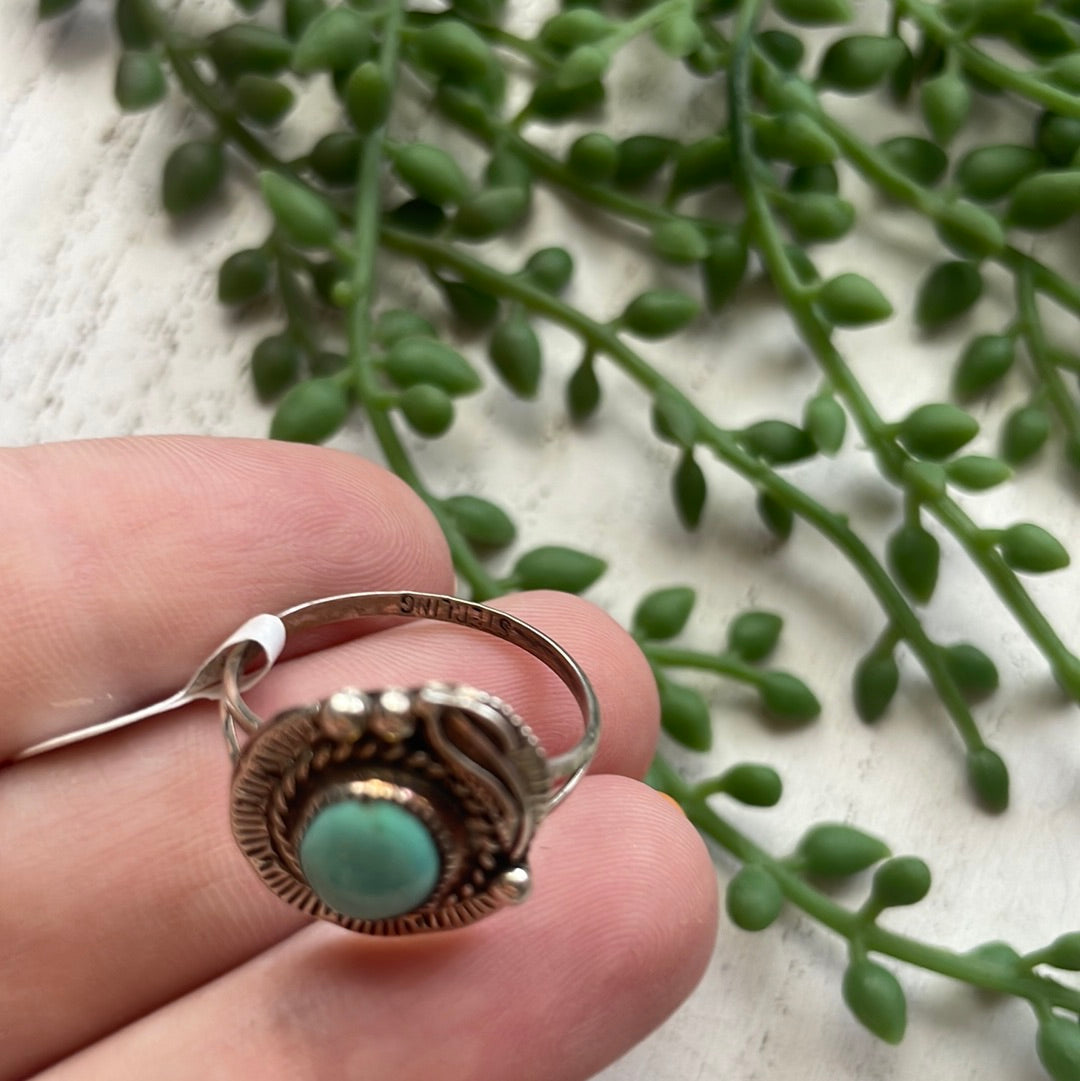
x=617 y=934
x=138 y=823
x=130 y=557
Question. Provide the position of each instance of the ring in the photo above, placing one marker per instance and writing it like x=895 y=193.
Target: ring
x=390 y=811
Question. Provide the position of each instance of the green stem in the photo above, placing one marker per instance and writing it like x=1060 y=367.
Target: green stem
x=1038 y=990
x=721 y=664
x=493 y=131
x=889 y=455
x=366 y=226
x=601 y=338
x=1031 y=327
x=817 y=336
x=1023 y=83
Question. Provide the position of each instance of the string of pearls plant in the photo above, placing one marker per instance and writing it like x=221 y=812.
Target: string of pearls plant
x=771 y=177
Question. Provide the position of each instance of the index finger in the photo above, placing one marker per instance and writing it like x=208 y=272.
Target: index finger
x=126 y=558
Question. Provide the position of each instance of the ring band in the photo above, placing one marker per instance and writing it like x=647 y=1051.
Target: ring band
x=389 y=811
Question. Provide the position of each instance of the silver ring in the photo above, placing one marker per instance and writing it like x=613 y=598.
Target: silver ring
x=389 y=811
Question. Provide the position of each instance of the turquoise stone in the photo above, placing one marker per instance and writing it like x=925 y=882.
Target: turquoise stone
x=369 y=859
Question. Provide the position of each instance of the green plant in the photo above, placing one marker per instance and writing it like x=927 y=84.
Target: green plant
x=775 y=169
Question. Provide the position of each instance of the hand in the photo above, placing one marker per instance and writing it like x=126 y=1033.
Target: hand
x=136 y=942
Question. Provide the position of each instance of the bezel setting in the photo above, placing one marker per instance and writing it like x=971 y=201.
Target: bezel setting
x=458 y=758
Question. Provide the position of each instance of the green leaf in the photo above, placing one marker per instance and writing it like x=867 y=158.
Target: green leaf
x=777 y=442
x=574 y=27
x=593 y=157
x=1045 y=199
x=814 y=179
x=1058 y=1045
x=684 y=715
x=679 y=35
x=640 y=158
x=431 y=173
x=245 y=47
x=937 y=430
x=787 y=698
x=1025 y=431
x=679 y=241
x=475 y=308
x=795 y=138
x=659 y=313
x=556 y=103
x=549 y=269
x=850 y=300
x=311 y=412
x=752 y=784
x=702 y=164
x=263 y=100
x=825 y=422
x=779 y=518
x=1058 y=137
x=816 y=12
x=985 y=361
x=49 y=9
x=785 y=50
x=918 y=159
x=131 y=25
x=877 y=677
x=427 y=409
x=663 y=613
x=753 y=635
x=989 y=173
x=947 y=292
x=914 y=557
x=193 y=175
x=977 y=472
x=555 y=567
x=507 y=169
x=969 y=230
x=858 y=63
x=945 y=102
x=275 y=366
x=515 y=354
x=989 y=777
x=335 y=158
x=587 y=64
x=298 y=15
x=835 y=850
x=454 y=50
x=753 y=899
x=367 y=97
x=140 y=82
x=723 y=269
x=244 y=276
x=689 y=489
x=305 y=218
x=875 y=997
x=1064 y=952
x=817 y=216
x=414 y=360
x=397 y=323
x=903 y=880
x=583 y=390
x=673 y=418
x=481 y=521
x=1028 y=547
x=973 y=671
x=490 y=212
x=337 y=40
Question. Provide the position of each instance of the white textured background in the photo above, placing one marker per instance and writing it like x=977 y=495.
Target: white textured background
x=108 y=325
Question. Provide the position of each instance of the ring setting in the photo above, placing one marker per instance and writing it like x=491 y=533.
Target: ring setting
x=388 y=811
x=394 y=811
